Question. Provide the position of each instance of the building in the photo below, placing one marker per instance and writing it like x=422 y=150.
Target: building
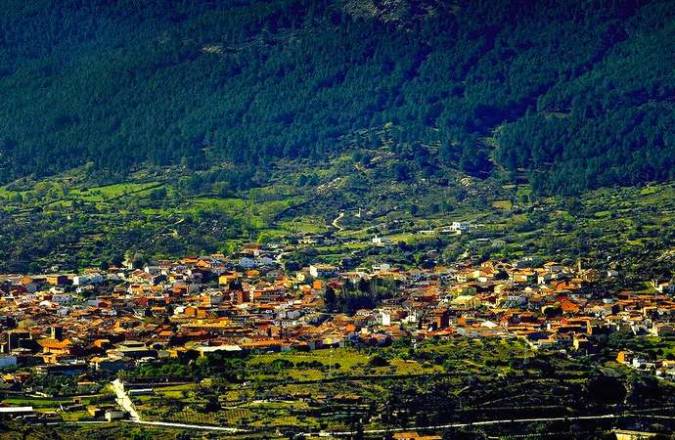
x=112 y=414
x=16 y=411
x=441 y=319
x=322 y=270
x=459 y=227
x=466 y=301
x=57 y=280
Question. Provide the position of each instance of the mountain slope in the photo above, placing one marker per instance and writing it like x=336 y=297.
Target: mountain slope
x=576 y=95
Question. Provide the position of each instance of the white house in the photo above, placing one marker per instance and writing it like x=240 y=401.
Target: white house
x=322 y=270
x=84 y=280
x=380 y=241
x=385 y=317
x=459 y=227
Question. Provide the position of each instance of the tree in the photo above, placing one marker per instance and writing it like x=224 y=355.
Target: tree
x=330 y=298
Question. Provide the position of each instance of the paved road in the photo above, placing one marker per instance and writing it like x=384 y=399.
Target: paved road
x=484 y=423
x=79 y=422
x=124 y=401
x=127 y=405
x=189 y=426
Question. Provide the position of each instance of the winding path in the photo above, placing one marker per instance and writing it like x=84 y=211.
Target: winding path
x=337 y=219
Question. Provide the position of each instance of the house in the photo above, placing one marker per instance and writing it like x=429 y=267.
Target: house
x=252 y=249
x=31 y=284
x=56 y=347
x=57 y=280
x=382 y=267
x=459 y=227
x=641 y=363
x=569 y=307
x=227 y=277
x=16 y=411
x=381 y=241
x=385 y=317
x=133 y=350
x=322 y=270
x=246 y=263
x=524 y=277
x=441 y=319
x=19 y=339
x=307 y=239
x=227 y=349
x=112 y=414
x=663 y=329
x=466 y=301
x=85 y=280
x=73 y=369
x=110 y=364
x=62 y=298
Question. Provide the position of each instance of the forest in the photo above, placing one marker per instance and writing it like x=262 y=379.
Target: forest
x=569 y=95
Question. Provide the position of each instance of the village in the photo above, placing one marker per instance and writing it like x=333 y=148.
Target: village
x=97 y=323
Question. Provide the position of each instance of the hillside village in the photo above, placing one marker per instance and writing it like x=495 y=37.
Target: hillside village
x=95 y=324
x=345 y=219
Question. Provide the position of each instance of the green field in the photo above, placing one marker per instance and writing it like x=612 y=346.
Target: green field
x=158 y=213
x=326 y=389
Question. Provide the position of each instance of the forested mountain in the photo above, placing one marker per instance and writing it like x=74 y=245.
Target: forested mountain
x=574 y=94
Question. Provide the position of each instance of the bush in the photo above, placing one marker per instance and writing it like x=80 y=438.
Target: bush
x=378 y=361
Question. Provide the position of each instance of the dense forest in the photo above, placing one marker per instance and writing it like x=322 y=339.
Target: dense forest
x=573 y=95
